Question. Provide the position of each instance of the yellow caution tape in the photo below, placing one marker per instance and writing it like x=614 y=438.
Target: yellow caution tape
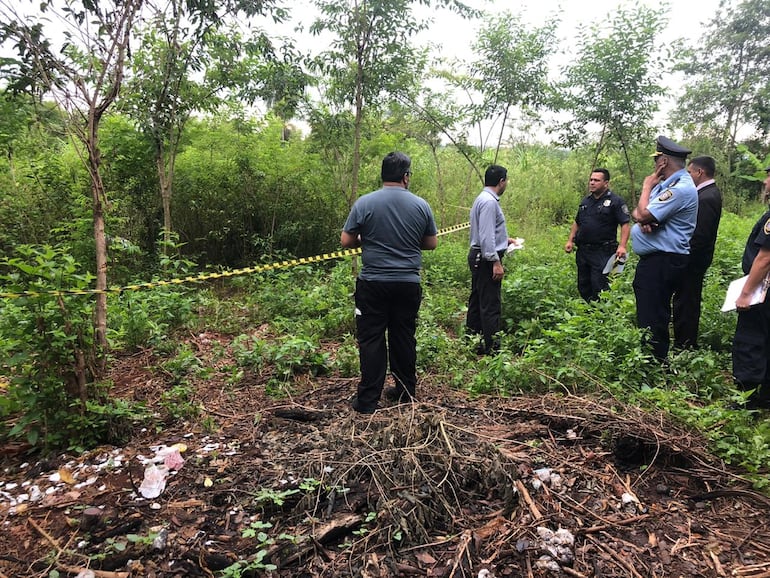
x=209 y=276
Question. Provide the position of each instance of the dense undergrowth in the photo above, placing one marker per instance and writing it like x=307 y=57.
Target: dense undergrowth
x=300 y=320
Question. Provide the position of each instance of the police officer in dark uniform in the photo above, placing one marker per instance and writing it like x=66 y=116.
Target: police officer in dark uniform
x=751 y=343
x=594 y=232
x=665 y=220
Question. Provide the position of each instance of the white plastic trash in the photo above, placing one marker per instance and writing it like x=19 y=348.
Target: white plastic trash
x=154 y=481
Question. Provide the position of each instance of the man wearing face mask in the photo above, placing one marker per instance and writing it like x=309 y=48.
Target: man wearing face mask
x=665 y=220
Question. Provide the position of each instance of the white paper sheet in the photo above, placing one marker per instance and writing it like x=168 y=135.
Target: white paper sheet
x=614 y=265
x=734 y=291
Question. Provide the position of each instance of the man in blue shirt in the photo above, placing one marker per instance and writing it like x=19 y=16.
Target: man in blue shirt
x=392 y=226
x=665 y=220
x=489 y=240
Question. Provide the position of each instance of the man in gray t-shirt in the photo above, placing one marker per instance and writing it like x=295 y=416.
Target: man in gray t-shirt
x=392 y=226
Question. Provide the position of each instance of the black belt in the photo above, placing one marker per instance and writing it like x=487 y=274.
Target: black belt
x=500 y=254
x=604 y=244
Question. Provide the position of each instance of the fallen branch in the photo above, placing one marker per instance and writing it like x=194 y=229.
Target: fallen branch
x=615 y=556
x=461 y=550
x=571 y=572
x=602 y=527
x=528 y=500
x=50 y=539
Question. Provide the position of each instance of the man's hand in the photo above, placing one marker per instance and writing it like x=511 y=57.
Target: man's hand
x=651 y=181
x=568 y=246
x=743 y=303
x=497 y=271
x=621 y=252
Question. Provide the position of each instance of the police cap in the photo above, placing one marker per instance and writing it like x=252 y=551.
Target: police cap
x=665 y=146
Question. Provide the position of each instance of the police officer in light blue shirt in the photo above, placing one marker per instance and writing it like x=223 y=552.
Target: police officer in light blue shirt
x=665 y=220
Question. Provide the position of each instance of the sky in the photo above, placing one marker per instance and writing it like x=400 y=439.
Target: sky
x=453 y=36
x=686 y=19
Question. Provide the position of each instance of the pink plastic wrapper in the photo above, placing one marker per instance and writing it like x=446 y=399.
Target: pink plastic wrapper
x=173 y=460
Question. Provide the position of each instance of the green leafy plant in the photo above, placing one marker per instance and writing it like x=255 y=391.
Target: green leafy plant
x=46 y=340
x=254 y=530
x=178 y=402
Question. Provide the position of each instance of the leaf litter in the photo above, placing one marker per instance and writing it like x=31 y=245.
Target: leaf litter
x=450 y=486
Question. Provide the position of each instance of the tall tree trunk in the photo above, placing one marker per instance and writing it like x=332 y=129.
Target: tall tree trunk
x=165 y=179
x=98 y=197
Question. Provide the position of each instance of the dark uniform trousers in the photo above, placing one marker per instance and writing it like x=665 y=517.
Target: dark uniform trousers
x=657 y=277
x=751 y=349
x=386 y=306
x=485 y=301
x=591 y=258
x=687 y=300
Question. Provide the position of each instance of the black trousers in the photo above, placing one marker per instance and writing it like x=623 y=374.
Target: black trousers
x=386 y=307
x=591 y=260
x=751 y=349
x=484 y=303
x=657 y=277
x=687 y=301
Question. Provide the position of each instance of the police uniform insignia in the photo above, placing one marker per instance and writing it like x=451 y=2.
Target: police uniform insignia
x=766 y=228
x=607 y=203
x=667 y=194
x=624 y=208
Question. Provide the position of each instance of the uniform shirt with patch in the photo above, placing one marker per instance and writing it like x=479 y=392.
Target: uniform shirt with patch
x=598 y=219
x=674 y=204
x=759 y=238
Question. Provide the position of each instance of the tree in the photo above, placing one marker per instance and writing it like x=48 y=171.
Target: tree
x=370 y=57
x=613 y=84
x=183 y=69
x=511 y=70
x=83 y=76
x=729 y=77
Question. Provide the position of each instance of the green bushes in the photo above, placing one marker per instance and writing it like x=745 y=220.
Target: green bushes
x=48 y=353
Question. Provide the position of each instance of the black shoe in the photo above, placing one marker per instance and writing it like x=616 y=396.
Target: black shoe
x=365 y=410
x=397 y=395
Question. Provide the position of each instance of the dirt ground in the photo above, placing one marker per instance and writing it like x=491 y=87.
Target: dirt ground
x=555 y=485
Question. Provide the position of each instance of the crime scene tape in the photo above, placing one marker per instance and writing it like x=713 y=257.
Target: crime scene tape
x=209 y=276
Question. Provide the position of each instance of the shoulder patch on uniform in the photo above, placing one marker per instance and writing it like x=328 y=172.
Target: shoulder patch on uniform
x=766 y=228
x=667 y=194
x=624 y=208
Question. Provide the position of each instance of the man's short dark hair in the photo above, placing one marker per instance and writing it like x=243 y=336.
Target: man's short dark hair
x=495 y=174
x=394 y=166
x=605 y=172
x=707 y=163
